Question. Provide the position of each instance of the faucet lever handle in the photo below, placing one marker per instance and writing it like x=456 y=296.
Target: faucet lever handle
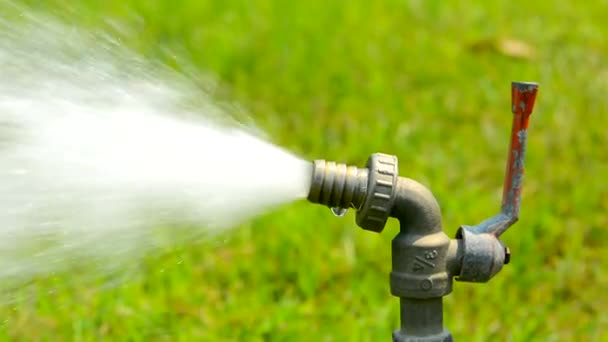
x=523 y=96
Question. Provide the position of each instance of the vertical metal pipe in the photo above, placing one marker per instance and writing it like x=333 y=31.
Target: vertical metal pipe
x=422 y=317
x=422 y=320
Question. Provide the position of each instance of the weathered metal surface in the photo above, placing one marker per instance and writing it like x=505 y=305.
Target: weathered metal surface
x=423 y=256
x=523 y=96
x=338 y=185
x=381 y=191
x=483 y=254
x=415 y=317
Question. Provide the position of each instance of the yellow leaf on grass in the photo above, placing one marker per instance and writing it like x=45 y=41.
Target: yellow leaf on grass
x=510 y=47
x=515 y=48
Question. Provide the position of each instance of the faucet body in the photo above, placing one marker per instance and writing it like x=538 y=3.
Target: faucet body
x=424 y=259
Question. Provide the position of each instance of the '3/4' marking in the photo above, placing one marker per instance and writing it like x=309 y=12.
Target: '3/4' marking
x=421 y=263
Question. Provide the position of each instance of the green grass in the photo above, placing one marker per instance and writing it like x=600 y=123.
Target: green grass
x=339 y=80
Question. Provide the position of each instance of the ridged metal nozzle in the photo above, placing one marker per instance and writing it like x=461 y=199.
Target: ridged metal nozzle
x=338 y=185
x=370 y=190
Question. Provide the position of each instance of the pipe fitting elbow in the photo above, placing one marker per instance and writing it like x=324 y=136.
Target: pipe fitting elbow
x=416 y=208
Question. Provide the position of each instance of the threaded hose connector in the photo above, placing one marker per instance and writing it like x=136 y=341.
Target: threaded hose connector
x=370 y=190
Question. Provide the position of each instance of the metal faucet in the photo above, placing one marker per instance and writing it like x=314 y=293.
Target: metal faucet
x=424 y=259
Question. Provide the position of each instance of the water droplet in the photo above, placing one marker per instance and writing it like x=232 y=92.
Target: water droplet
x=339 y=212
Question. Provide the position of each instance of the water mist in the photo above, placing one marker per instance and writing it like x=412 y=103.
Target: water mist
x=97 y=146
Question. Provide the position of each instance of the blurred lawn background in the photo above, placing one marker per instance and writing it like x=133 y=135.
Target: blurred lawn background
x=428 y=81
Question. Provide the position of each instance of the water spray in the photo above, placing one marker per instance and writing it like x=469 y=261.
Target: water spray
x=424 y=259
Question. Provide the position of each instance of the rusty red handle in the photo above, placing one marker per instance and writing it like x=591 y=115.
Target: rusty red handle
x=523 y=96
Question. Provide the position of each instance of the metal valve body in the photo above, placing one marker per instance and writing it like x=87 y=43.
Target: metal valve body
x=424 y=259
